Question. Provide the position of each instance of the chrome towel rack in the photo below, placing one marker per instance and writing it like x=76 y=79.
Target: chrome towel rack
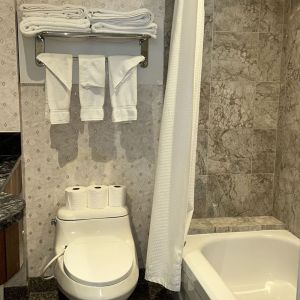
x=40 y=41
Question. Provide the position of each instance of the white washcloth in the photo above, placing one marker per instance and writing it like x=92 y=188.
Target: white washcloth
x=58 y=85
x=91 y=87
x=140 y=17
x=67 y=11
x=150 y=29
x=33 y=25
x=123 y=86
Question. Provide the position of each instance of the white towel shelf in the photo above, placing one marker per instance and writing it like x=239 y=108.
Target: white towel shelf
x=40 y=41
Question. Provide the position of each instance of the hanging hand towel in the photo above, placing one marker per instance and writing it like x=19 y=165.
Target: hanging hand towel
x=58 y=85
x=123 y=86
x=67 y=11
x=150 y=29
x=91 y=87
x=140 y=17
x=33 y=25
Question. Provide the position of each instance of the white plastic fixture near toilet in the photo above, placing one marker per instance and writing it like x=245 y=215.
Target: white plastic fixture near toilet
x=100 y=259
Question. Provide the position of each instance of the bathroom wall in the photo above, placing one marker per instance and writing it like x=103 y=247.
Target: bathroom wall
x=287 y=179
x=239 y=108
x=237 y=133
x=9 y=93
x=86 y=153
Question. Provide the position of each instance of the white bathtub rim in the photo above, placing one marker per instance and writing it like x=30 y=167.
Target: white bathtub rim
x=205 y=275
x=198 y=241
x=193 y=258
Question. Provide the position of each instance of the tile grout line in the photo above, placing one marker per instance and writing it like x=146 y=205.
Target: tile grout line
x=210 y=95
x=256 y=84
x=282 y=69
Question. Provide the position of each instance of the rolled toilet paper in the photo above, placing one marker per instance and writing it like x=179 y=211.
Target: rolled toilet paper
x=76 y=197
x=117 y=195
x=97 y=196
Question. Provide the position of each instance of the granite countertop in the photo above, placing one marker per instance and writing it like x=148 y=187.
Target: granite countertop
x=11 y=206
x=7 y=163
x=11 y=209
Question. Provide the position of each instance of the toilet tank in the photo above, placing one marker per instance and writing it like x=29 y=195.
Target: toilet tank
x=73 y=224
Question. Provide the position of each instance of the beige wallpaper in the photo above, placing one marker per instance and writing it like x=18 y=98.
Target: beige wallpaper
x=100 y=152
x=85 y=153
x=9 y=94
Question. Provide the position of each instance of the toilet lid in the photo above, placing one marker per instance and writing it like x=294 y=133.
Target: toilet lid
x=98 y=261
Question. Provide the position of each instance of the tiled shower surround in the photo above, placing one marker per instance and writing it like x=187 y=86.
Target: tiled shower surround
x=239 y=108
x=287 y=179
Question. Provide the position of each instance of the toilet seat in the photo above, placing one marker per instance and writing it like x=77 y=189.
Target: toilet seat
x=98 y=261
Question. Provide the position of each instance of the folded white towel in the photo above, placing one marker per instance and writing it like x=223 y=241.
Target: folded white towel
x=91 y=87
x=150 y=29
x=33 y=25
x=140 y=17
x=67 y=11
x=123 y=86
x=58 y=85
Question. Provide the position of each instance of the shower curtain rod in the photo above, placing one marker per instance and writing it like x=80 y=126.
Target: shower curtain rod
x=142 y=38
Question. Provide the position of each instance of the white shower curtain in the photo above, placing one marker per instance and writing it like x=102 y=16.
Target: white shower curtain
x=173 y=201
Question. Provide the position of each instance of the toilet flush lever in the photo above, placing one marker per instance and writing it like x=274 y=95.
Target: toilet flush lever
x=53 y=222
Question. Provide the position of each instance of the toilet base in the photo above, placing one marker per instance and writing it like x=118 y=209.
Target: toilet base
x=62 y=296
x=73 y=290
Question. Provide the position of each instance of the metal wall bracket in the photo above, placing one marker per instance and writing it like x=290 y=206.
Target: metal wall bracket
x=40 y=42
x=39 y=48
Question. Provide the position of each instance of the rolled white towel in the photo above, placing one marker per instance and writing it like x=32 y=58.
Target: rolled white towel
x=150 y=30
x=31 y=26
x=67 y=11
x=140 y=17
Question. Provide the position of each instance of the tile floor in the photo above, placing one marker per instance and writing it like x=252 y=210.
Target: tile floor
x=43 y=290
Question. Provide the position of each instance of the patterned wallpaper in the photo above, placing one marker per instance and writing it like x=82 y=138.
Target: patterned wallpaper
x=87 y=153
x=287 y=179
x=9 y=93
x=239 y=108
x=100 y=152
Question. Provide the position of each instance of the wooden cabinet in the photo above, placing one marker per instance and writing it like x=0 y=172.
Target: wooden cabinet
x=10 y=254
x=11 y=238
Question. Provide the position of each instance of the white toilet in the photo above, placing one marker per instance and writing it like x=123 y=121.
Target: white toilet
x=100 y=259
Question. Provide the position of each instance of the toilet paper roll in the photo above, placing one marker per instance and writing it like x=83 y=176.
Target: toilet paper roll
x=97 y=196
x=117 y=195
x=76 y=197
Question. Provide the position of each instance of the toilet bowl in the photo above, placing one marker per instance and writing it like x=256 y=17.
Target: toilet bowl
x=98 y=258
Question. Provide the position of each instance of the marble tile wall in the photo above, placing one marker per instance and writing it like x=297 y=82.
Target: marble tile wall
x=287 y=179
x=56 y=157
x=235 y=224
x=239 y=108
x=9 y=93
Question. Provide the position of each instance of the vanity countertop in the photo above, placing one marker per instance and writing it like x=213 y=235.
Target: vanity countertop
x=7 y=163
x=11 y=206
x=11 y=209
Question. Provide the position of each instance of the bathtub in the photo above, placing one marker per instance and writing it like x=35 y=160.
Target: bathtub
x=256 y=265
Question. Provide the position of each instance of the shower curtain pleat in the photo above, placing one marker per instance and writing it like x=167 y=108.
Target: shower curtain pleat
x=173 y=201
